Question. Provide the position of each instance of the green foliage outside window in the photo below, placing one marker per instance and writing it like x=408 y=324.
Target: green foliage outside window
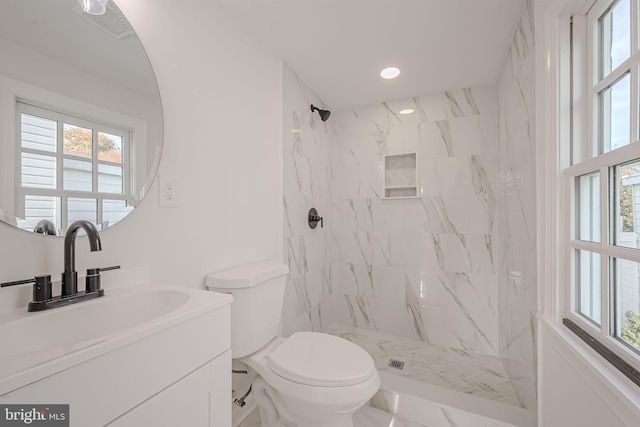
x=630 y=331
x=79 y=141
x=626 y=199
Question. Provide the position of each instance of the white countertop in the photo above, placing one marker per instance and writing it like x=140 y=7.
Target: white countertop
x=31 y=361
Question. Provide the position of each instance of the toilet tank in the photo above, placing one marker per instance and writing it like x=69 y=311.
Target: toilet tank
x=258 y=294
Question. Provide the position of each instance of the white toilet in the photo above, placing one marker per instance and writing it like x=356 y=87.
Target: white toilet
x=307 y=380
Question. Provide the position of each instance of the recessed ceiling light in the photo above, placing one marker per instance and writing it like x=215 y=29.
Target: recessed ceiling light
x=406 y=111
x=390 y=73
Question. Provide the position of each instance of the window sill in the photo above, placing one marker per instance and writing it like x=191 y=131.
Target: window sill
x=627 y=370
x=619 y=392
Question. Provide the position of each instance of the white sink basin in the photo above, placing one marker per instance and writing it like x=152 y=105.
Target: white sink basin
x=81 y=324
x=38 y=344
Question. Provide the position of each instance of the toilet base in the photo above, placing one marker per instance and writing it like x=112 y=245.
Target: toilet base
x=273 y=413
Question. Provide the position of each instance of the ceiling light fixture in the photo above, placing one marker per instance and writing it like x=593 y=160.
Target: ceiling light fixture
x=406 y=111
x=94 y=7
x=390 y=73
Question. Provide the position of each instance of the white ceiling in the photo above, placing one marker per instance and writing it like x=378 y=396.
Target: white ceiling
x=51 y=27
x=338 y=47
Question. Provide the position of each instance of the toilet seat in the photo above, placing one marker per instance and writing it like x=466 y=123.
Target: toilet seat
x=311 y=402
x=322 y=360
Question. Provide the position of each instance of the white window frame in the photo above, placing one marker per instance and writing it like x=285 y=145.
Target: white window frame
x=585 y=159
x=64 y=195
x=556 y=343
x=12 y=90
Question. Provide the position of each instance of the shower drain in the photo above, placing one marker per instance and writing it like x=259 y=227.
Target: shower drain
x=397 y=364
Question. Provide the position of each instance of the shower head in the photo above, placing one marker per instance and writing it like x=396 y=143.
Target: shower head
x=324 y=114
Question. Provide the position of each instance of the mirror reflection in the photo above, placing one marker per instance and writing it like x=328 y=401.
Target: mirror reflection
x=80 y=116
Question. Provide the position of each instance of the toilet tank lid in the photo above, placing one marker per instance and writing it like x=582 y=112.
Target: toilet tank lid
x=246 y=276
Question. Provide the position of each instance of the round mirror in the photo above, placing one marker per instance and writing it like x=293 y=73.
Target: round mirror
x=80 y=116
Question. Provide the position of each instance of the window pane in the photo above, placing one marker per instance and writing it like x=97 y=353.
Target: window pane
x=38 y=171
x=109 y=179
x=38 y=133
x=77 y=175
x=588 y=207
x=77 y=140
x=113 y=211
x=109 y=147
x=627 y=205
x=37 y=208
x=588 y=285
x=615 y=115
x=80 y=208
x=615 y=34
x=627 y=288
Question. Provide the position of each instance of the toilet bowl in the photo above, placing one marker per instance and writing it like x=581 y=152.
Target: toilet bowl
x=309 y=379
x=315 y=379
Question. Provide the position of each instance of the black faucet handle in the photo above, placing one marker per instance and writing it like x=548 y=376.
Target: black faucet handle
x=97 y=270
x=41 y=287
x=92 y=282
x=313 y=219
x=17 y=282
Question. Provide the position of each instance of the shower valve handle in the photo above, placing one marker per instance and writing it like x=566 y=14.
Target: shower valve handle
x=313 y=219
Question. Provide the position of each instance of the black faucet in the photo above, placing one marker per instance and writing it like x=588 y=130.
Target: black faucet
x=42 y=298
x=70 y=275
x=46 y=227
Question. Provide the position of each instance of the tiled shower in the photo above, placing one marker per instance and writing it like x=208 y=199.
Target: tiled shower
x=454 y=267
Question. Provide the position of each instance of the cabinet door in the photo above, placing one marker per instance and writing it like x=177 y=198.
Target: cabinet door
x=103 y=388
x=201 y=399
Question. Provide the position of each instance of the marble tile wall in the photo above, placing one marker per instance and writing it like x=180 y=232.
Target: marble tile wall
x=307 y=183
x=423 y=268
x=516 y=230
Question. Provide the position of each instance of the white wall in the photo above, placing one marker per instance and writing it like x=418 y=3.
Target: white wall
x=28 y=66
x=578 y=388
x=221 y=93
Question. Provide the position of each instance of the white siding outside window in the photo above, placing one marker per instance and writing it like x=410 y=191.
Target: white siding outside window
x=70 y=168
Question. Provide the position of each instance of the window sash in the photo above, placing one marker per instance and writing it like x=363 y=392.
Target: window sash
x=605 y=332
x=65 y=196
x=97 y=167
x=587 y=156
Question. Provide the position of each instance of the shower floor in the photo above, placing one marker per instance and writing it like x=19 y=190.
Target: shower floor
x=466 y=372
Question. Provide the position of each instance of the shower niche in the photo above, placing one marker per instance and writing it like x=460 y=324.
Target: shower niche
x=401 y=176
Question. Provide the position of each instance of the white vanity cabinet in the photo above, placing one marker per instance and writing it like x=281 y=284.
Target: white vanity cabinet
x=200 y=399
x=179 y=375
